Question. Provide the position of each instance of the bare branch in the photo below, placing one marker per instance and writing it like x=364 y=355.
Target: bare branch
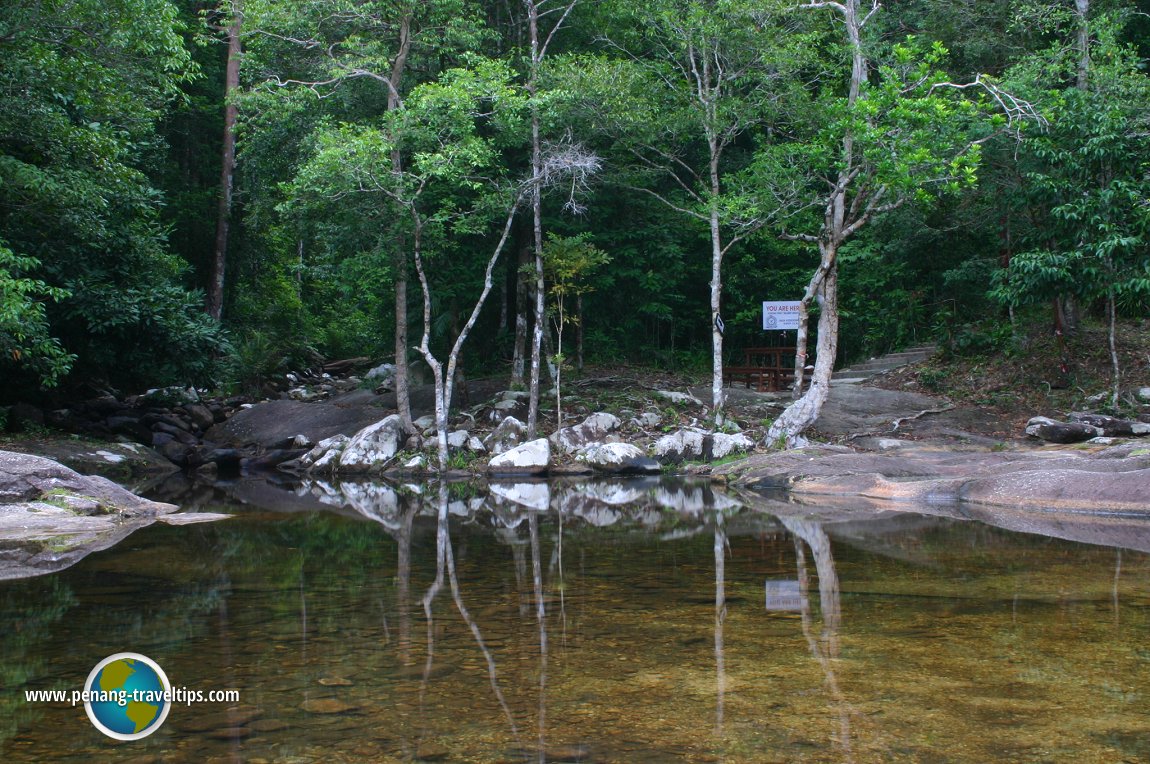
x=1017 y=110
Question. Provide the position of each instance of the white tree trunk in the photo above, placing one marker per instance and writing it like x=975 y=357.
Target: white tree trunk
x=801 y=414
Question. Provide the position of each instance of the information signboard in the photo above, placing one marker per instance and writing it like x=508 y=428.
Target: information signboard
x=781 y=315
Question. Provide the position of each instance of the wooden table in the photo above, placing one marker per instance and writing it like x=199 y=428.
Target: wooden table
x=767 y=369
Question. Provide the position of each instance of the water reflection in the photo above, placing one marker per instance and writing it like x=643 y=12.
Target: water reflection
x=619 y=621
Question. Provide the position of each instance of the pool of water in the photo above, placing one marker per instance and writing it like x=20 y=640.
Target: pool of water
x=625 y=622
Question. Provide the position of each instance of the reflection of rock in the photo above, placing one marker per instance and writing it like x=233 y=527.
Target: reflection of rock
x=593 y=429
x=692 y=499
x=597 y=514
x=51 y=516
x=531 y=458
x=619 y=458
x=535 y=496
x=614 y=493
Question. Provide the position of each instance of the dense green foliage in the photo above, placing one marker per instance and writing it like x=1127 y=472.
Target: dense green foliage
x=1028 y=188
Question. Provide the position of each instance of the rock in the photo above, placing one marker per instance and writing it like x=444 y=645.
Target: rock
x=531 y=458
x=680 y=398
x=507 y=435
x=723 y=444
x=21 y=415
x=475 y=445
x=52 y=516
x=191 y=518
x=425 y=422
x=123 y=462
x=686 y=444
x=382 y=376
x=503 y=409
x=618 y=458
x=1144 y=394
x=201 y=416
x=591 y=430
x=458 y=439
x=535 y=496
x=1062 y=432
x=417 y=462
x=170 y=396
x=1111 y=426
x=647 y=419
x=370 y=449
x=268 y=424
x=328 y=706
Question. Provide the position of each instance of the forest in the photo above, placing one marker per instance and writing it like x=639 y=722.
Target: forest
x=202 y=193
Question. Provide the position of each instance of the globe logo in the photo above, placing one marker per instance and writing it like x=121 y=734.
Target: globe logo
x=127 y=696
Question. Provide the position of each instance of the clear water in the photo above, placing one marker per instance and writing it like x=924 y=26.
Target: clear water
x=678 y=627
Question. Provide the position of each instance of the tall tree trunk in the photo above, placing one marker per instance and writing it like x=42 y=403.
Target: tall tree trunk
x=399 y=259
x=579 y=334
x=802 y=413
x=536 y=223
x=523 y=305
x=716 y=290
x=1082 y=11
x=215 y=301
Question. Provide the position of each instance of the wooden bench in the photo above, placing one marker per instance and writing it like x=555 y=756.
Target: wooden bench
x=766 y=369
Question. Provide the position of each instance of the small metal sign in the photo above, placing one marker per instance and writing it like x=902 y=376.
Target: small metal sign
x=784 y=595
x=781 y=315
x=719 y=323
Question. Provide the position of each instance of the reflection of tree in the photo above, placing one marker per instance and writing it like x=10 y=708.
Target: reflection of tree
x=720 y=619
x=445 y=566
x=824 y=647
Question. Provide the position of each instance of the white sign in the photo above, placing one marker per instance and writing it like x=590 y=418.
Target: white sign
x=781 y=315
x=784 y=595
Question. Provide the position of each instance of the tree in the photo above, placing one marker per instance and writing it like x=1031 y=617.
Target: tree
x=1086 y=178
x=215 y=303
x=537 y=10
x=370 y=43
x=25 y=337
x=81 y=93
x=702 y=74
x=897 y=131
x=447 y=184
x=568 y=261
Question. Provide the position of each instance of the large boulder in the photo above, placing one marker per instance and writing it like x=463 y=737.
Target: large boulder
x=531 y=458
x=1112 y=426
x=270 y=424
x=1061 y=432
x=507 y=435
x=688 y=444
x=52 y=516
x=370 y=449
x=622 y=458
x=593 y=429
x=724 y=444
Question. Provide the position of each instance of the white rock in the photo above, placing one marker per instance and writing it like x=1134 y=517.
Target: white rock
x=1140 y=428
x=674 y=397
x=677 y=446
x=475 y=445
x=592 y=429
x=457 y=438
x=382 y=372
x=417 y=462
x=372 y=447
x=424 y=422
x=506 y=436
x=530 y=458
x=723 y=444
x=647 y=419
x=1144 y=394
x=618 y=457
x=301 y=441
